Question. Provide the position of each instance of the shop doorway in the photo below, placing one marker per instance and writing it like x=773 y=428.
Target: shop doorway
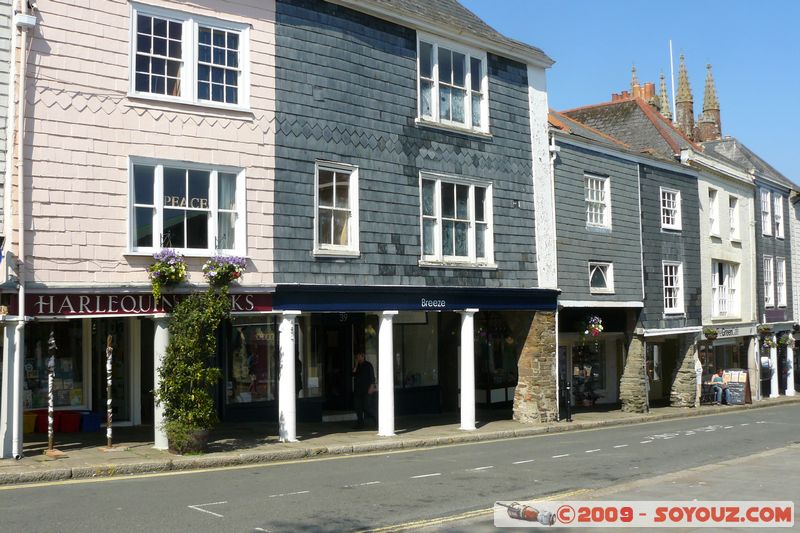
x=783 y=370
x=116 y=330
x=333 y=345
x=662 y=358
x=146 y=336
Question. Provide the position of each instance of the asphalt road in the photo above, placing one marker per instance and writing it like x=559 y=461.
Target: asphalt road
x=375 y=491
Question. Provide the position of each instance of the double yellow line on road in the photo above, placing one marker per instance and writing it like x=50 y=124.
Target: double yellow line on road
x=418 y=524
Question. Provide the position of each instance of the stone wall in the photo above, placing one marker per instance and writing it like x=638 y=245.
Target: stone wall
x=633 y=385
x=535 y=398
x=684 y=383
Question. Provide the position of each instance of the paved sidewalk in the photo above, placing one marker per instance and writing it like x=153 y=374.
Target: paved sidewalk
x=238 y=444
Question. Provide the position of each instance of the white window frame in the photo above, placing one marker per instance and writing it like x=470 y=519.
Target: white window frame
x=190 y=35
x=608 y=274
x=780 y=280
x=158 y=208
x=353 y=248
x=725 y=291
x=778 y=215
x=766 y=212
x=769 y=288
x=733 y=216
x=605 y=189
x=679 y=305
x=713 y=212
x=469 y=53
x=677 y=223
x=471 y=260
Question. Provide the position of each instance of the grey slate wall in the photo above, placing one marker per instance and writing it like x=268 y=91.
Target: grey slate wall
x=664 y=245
x=346 y=92
x=5 y=59
x=771 y=245
x=577 y=244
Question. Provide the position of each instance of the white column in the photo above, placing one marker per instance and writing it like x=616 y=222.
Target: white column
x=287 y=406
x=160 y=341
x=773 y=362
x=10 y=409
x=468 y=369
x=790 y=366
x=386 y=375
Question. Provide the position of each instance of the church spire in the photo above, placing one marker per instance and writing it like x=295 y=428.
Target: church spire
x=710 y=126
x=663 y=99
x=634 y=79
x=684 y=103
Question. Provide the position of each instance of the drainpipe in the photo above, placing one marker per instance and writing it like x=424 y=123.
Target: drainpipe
x=25 y=22
x=10 y=129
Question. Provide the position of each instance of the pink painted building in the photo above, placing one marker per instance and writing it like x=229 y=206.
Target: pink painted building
x=147 y=126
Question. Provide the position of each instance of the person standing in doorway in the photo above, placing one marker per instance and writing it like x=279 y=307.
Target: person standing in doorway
x=363 y=386
x=698 y=370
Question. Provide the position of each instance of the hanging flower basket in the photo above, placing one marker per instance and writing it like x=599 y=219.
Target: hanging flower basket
x=710 y=333
x=169 y=269
x=593 y=326
x=221 y=271
x=764 y=329
x=767 y=343
x=785 y=340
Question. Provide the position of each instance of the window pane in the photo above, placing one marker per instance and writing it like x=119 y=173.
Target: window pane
x=459 y=98
x=159 y=27
x=448 y=203
x=196 y=229
x=203 y=90
x=325 y=225
x=445 y=66
x=158 y=85
x=428 y=195
x=459 y=69
x=426 y=60
x=219 y=38
x=444 y=103
x=233 y=59
x=198 y=189
x=476 y=73
x=204 y=54
x=174 y=69
x=226 y=223
x=480 y=202
x=159 y=46
x=175 y=30
x=326 y=188
x=462 y=200
x=143 y=184
x=231 y=95
x=203 y=73
x=476 y=110
x=205 y=36
x=173 y=228
x=426 y=96
x=143 y=226
x=142 y=82
x=158 y=66
x=480 y=240
x=341 y=227
x=233 y=41
x=174 y=187
x=429 y=236
x=462 y=235
x=342 y=191
x=143 y=43
x=598 y=280
x=227 y=191
x=144 y=24
x=448 y=238
x=173 y=87
x=217 y=92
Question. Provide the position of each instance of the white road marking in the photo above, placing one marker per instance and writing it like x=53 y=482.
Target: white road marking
x=646 y=442
x=262 y=529
x=592 y=451
x=745 y=424
x=761 y=422
x=562 y=455
x=426 y=475
x=727 y=427
x=479 y=468
x=289 y=494
x=199 y=505
x=361 y=484
x=621 y=446
x=522 y=462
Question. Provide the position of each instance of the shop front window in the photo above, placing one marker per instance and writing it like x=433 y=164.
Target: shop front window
x=252 y=363
x=68 y=384
x=496 y=352
x=588 y=372
x=416 y=362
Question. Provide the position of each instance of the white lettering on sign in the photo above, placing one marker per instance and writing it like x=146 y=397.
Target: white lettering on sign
x=129 y=304
x=181 y=201
x=437 y=304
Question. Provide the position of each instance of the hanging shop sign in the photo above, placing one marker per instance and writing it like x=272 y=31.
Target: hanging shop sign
x=725 y=332
x=41 y=305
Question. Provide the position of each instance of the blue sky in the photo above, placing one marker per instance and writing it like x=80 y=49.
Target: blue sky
x=753 y=47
